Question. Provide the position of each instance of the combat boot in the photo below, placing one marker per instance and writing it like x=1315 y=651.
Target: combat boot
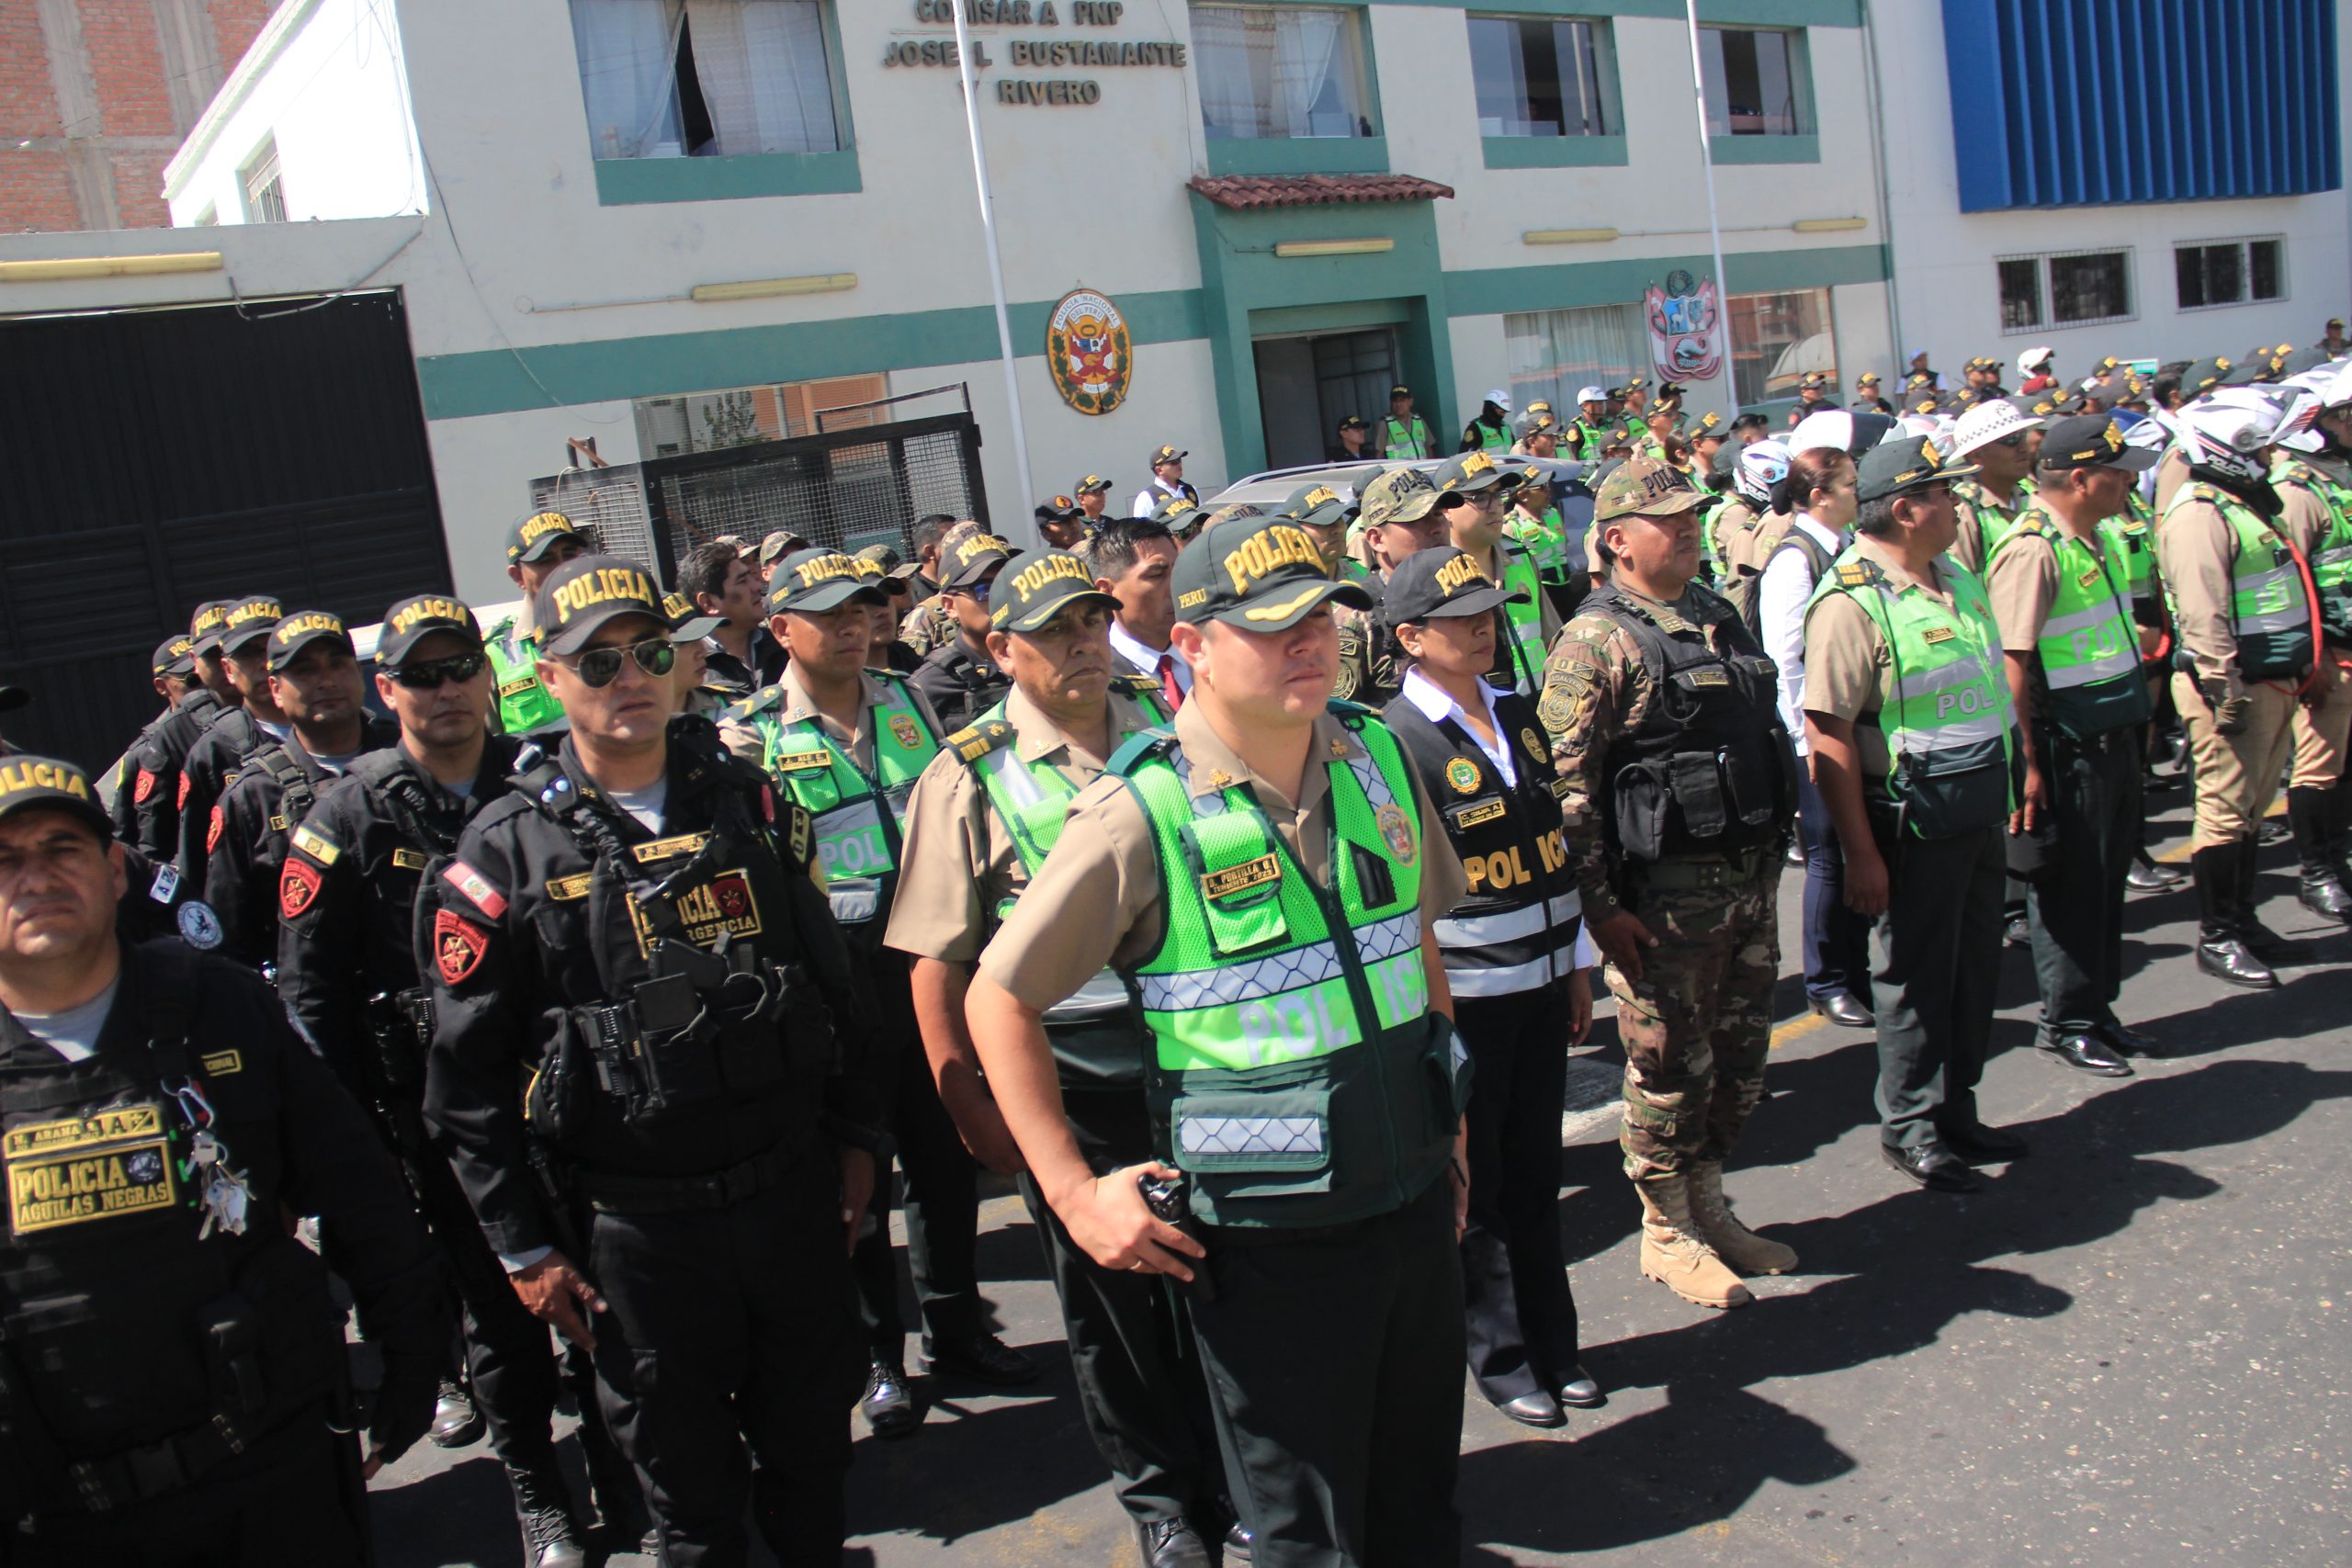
x=2264 y=943
x=1672 y=1252
x=2220 y=952
x=2309 y=812
x=1741 y=1249
x=543 y=1509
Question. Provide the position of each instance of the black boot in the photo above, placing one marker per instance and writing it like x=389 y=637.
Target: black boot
x=543 y=1509
x=2220 y=952
x=2267 y=944
x=2310 y=812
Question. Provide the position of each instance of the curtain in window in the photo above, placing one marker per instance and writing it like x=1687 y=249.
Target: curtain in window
x=1553 y=355
x=628 y=77
x=1274 y=73
x=1305 y=51
x=765 y=75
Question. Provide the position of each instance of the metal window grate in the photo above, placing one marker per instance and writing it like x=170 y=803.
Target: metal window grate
x=2067 y=288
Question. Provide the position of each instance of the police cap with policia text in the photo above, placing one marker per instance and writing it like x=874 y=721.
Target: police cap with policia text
x=414 y=619
x=2093 y=441
x=1442 y=583
x=205 y=627
x=535 y=536
x=297 y=631
x=970 y=558
x=587 y=591
x=1260 y=574
x=1647 y=486
x=175 y=656
x=813 y=582
x=1319 y=506
x=248 y=619
x=47 y=784
x=1037 y=585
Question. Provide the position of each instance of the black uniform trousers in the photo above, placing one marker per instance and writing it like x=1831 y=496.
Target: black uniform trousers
x=941 y=1199
x=2078 y=901
x=730 y=1327
x=1138 y=1374
x=1520 y=1316
x=1939 y=966
x=1334 y=1365
x=1837 y=940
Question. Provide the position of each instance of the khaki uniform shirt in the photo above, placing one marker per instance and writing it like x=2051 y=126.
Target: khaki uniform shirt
x=2172 y=472
x=1969 y=548
x=1748 y=543
x=795 y=704
x=959 y=864
x=1096 y=901
x=2195 y=545
x=1849 y=674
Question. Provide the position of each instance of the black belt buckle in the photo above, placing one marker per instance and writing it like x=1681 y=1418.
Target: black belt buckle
x=155 y=1470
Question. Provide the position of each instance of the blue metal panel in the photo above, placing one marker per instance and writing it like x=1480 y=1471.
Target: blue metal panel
x=2071 y=103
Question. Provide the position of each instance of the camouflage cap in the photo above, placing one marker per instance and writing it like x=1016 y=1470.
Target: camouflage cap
x=1647 y=486
x=1318 y=506
x=1400 y=495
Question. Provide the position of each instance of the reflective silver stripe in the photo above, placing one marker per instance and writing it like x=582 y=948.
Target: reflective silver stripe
x=850 y=817
x=1017 y=781
x=2081 y=620
x=2293 y=617
x=854 y=902
x=1249 y=1135
x=1508 y=925
x=1959 y=733
x=1503 y=980
x=1965 y=671
x=1104 y=992
x=1188 y=989
x=2108 y=667
x=1387 y=939
x=1368 y=776
x=2261 y=581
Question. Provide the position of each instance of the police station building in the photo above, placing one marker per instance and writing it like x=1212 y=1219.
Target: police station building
x=656 y=222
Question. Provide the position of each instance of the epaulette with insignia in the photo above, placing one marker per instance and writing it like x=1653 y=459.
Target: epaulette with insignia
x=975 y=740
x=765 y=697
x=1135 y=685
x=1856 y=574
x=2205 y=492
x=1342 y=708
x=1143 y=744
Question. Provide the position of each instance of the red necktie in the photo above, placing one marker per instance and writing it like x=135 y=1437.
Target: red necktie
x=1168 y=683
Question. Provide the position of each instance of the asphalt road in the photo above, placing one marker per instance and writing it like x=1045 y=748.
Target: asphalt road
x=2130 y=1348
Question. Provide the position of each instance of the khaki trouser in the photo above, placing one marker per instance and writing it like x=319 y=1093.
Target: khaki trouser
x=2237 y=776
x=2321 y=734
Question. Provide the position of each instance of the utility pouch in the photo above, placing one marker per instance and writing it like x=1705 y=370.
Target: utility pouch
x=1751 y=784
x=230 y=1336
x=1696 y=782
x=1374 y=877
x=1641 y=798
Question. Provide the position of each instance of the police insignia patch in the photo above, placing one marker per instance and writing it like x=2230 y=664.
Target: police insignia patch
x=145 y=787
x=458 y=946
x=1398 y=830
x=1461 y=774
x=212 y=833
x=298 y=888
x=903 y=728
x=184 y=788
x=199 y=927
x=1535 y=744
x=476 y=887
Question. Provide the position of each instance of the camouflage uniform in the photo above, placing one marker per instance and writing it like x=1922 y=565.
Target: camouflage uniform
x=931 y=625
x=1696 y=1025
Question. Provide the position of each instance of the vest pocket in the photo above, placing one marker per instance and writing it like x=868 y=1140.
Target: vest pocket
x=1241 y=1146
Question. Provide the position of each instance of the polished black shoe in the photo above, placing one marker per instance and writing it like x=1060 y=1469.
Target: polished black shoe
x=1793 y=854
x=2131 y=1042
x=456 y=1421
x=2274 y=830
x=1932 y=1166
x=983 y=1358
x=542 y=1510
x=1172 y=1543
x=2019 y=932
x=2226 y=958
x=889 y=1410
x=1580 y=1390
x=2155 y=877
x=1844 y=1006
x=1240 y=1545
x=1980 y=1144
x=2087 y=1052
x=2322 y=893
x=1537 y=1409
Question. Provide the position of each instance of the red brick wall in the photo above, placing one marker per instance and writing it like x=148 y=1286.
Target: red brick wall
x=28 y=107
x=34 y=192
x=127 y=64
x=234 y=23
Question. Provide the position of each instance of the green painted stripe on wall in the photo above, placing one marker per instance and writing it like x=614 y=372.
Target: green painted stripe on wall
x=1739 y=12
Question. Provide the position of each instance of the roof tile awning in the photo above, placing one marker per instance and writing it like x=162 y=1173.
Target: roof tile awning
x=1250 y=192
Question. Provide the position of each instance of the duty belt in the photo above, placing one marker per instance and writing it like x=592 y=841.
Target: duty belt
x=610 y=1192
x=1704 y=870
x=136 y=1475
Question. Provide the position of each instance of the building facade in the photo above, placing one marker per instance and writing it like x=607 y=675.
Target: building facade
x=662 y=223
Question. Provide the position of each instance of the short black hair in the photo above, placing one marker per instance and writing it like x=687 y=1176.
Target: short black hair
x=705 y=570
x=1117 y=545
x=1876 y=518
x=929 y=531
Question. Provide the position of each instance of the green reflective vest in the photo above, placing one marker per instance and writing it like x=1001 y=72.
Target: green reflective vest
x=1523 y=622
x=2133 y=531
x=1992 y=520
x=2088 y=647
x=1947 y=716
x=1491 y=439
x=1296 y=1070
x=1405 y=438
x=2331 y=562
x=525 y=706
x=2270 y=613
x=1544 y=540
x=861 y=815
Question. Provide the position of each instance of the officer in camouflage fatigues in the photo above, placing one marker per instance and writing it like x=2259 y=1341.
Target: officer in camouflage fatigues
x=1678 y=785
x=931 y=624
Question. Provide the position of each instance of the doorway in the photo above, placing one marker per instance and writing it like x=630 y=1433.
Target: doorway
x=1308 y=384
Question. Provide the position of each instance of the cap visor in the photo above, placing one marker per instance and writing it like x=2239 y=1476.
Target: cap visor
x=829 y=596
x=1477 y=602
x=545 y=542
x=694 y=630
x=393 y=650
x=1043 y=612
x=1284 y=605
x=2131 y=460
x=285 y=656
x=575 y=638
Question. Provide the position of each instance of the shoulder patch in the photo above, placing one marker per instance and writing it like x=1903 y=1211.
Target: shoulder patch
x=458 y=946
x=298 y=888
x=1853 y=574
x=145 y=787
x=212 y=833
x=475 y=887
x=975 y=741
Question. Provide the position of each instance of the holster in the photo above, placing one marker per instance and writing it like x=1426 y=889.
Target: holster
x=400 y=1028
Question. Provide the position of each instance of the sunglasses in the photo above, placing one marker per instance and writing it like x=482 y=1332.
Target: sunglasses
x=430 y=674
x=600 y=667
x=978 y=592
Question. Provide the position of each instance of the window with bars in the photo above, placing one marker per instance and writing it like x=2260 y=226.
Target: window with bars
x=2067 y=288
x=1541 y=77
x=264 y=185
x=2207 y=273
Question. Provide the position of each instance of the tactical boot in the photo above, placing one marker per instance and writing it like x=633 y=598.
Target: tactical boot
x=1741 y=1249
x=2308 y=813
x=2264 y=943
x=542 y=1508
x=1673 y=1253
x=2220 y=952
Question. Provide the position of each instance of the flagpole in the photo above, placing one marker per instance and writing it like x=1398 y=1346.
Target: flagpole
x=996 y=274
x=1714 y=224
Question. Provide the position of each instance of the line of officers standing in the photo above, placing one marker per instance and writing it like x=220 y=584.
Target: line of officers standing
x=1265 y=999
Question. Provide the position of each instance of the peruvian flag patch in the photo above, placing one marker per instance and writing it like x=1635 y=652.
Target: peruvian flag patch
x=298 y=887
x=458 y=945
x=475 y=887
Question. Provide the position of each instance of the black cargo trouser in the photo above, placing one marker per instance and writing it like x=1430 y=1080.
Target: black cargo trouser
x=1938 y=969
x=2095 y=794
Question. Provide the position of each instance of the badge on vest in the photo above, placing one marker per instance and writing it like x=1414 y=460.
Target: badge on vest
x=167 y=883
x=1398 y=830
x=316 y=845
x=1473 y=815
x=669 y=848
x=722 y=904
x=1534 y=745
x=1240 y=878
x=568 y=889
x=410 y=860
x=904 y=729
x=1939 y=634
x=517 y=687
x=199 y=927
x=298 y=888
x=85 y=1168
x=458 y=946
x=1709 y=678
x=1462 y=774
x=220 y=1064
x=801 y=762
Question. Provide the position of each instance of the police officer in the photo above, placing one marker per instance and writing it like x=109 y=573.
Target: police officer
x=314 y=680
x=348 y=969
x=1587 y=436
x=1265 y=876
x=2061 y=591
x=1866 y=394
x=147 y=809
x=1509 y=948
x=1400 y=517
x=536 y=547
x=1903 y=660
x=958 y=677
x=2004 y=445
x=982 y=819
x=1739 y=526
x=634 y=927
x=1490 y=431
x=173 y=1372
x=846 y=744
x=1678 y=792
x=256 y=722
x=2244 y=617
x=1533 y=522
x=1061 y=523
x=1093 y=493
x=1352 y=443
x=1168 y=482
x=1474 y=497
x=173 y=669
x=1326 y=514
x=1404 y=434
x=2315 y=488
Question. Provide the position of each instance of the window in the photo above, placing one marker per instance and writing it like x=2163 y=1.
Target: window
x=705 y=78
x=265 y=187
x=1544 y=78
x=208 y=218
x=1755 y=80
x=705 y=421
x=1280 y=74
x=1777 y=340
x=2229 y=272
x=1553 y=355
x=2082 y=288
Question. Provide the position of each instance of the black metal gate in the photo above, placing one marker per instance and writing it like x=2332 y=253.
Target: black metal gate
x=846 y=488
x=161 y=457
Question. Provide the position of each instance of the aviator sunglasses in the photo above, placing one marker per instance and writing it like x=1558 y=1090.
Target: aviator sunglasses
x=601 y=666
x=429 y=674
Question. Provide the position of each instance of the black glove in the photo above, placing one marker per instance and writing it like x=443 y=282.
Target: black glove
x=404 y=1405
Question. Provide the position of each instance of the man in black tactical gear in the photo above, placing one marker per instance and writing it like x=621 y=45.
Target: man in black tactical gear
x=147 y=809
x=241 y=648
